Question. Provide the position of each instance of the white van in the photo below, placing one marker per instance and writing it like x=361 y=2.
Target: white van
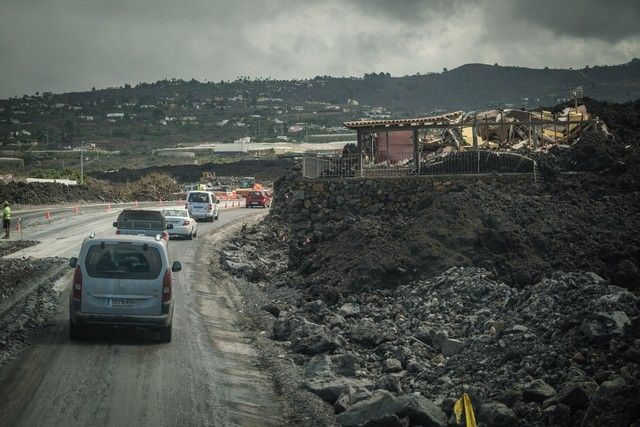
x=122 y=280
x=203 y=205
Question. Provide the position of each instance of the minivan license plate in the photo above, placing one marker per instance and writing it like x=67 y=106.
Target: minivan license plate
x=121 y=302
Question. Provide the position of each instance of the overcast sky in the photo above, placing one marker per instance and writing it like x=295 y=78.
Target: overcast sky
x=69 y=45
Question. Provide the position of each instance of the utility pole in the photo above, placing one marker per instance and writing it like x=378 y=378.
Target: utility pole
x=81 y=163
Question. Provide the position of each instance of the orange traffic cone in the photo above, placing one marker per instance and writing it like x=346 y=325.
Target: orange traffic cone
x=47 y=215
x=19 y=224
x=76 y=210
x=136 y=204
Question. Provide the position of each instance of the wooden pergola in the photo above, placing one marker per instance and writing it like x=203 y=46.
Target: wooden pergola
x=454 y=120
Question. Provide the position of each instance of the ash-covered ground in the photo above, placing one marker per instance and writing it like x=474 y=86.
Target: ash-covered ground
x=525 y=296
x=27 y=298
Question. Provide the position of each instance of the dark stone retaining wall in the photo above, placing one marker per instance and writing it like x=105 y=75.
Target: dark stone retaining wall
x=307 y=201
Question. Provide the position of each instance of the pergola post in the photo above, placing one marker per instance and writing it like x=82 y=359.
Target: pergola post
x=474 y=132
x=360 y=156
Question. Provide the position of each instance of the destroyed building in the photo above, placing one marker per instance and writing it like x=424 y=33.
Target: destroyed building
x=497 y=140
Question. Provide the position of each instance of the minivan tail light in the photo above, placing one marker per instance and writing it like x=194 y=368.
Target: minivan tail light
x=186 y=222
x=167 y=285
x=210 y=207
x=77 y=283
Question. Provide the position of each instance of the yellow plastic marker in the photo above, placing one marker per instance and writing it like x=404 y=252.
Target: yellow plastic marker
x=464 y=405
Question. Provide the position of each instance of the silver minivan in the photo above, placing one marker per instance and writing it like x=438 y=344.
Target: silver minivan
x=122 y=280
x=203 y=205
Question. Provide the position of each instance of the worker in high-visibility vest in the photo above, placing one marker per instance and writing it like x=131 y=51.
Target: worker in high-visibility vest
x=6 y=219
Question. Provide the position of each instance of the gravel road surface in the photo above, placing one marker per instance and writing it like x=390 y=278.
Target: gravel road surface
x=208 y=374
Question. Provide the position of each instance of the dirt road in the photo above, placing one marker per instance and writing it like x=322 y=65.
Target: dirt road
x=208 y=374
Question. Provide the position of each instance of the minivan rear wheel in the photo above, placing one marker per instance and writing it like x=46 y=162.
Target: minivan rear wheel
x=165 y=333
x=75 y=331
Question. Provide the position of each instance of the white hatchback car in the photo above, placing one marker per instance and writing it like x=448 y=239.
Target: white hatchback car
x=181 y=221
x=122 y=280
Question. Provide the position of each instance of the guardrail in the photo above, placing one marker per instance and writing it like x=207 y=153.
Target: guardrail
x=42 y=216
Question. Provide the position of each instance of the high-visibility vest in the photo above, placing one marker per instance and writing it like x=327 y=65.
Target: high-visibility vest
x=6 y=213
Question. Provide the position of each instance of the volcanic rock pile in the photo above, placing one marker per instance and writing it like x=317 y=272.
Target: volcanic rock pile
x=523 y=296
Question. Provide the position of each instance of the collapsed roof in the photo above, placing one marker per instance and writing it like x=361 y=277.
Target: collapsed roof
x=507 y=129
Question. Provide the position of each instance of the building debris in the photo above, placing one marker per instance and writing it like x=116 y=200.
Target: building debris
x=399 y=143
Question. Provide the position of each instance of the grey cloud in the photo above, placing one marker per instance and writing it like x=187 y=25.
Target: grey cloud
x=75 y=44
x=411 y=11
x=611 y=20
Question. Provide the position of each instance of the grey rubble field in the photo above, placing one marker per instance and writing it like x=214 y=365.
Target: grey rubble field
x=395 y=296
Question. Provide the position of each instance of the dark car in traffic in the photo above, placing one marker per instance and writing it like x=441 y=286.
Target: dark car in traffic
x=258 y=198
x=142 y=222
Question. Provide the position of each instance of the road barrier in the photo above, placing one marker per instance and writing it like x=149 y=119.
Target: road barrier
x=44 y=216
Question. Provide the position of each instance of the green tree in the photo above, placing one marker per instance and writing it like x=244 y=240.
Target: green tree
x=154 y=186
x=68 y=126
x=158 y=114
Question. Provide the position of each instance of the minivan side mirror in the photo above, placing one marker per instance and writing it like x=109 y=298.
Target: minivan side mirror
x=176 y=266
x=73 y=261
x=115 y=224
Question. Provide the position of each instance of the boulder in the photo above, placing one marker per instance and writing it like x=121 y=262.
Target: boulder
x=575 y=395
x=383 y=408
x=335 y=320
x=496 y=414
x=557 y=415
x=271 y=309
x=311 y=338
x=389 y=382
x=330 y=389
x=331 y=366
x=615 y=401
x=366 y=333
x=320 y=366
x=604 y=326
x=349 y=309
x=349 y=398
x=392 y=365
x=451 y=347
x=282 y=328
x=438 y=338
x=345 y=364
x=538 y=391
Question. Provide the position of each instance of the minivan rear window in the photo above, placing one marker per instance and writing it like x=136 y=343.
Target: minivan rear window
x=118 y=261
x=256 y=194
x=199 y=197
